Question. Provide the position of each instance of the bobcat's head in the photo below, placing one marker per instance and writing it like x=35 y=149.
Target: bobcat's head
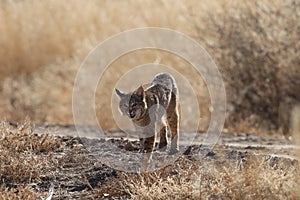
x=133 y=104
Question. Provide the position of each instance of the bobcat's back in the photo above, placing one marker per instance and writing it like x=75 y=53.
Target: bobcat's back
x=165 y=80
x=163 y=87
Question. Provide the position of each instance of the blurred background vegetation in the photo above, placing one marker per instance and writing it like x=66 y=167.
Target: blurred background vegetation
x=256 y=45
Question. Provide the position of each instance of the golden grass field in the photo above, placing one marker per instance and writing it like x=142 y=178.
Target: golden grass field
x=46 y=52
x=44 y=43
x=256 y=46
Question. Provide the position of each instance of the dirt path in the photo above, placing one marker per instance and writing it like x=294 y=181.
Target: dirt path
x=276 y=146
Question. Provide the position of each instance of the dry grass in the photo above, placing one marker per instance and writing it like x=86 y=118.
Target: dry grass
x=255 y=44
x=35 y=34
x=30 y=162
x=24 y=157
x=17 y=193
x=26 y=140
x=52 y=46
x=185 y=179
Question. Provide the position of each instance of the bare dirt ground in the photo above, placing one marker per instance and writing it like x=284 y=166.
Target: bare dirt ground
x=88 y=163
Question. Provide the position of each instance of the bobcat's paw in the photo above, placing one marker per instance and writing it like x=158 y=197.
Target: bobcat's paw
x=162 y=147
x=173 y=151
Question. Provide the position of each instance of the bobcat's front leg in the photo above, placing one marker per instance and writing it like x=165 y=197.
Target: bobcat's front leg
x=149 y=144
x=147 y=138
x=173 y=121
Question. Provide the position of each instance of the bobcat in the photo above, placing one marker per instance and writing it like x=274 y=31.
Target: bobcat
x=149 y=109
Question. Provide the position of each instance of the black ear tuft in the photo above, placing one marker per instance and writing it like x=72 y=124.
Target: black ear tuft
x=119 y=93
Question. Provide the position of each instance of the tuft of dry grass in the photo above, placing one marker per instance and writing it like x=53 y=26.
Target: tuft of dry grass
x=17 y=193
x=171 y=182
x=23 y=154
x=185 y=179
x=26 y=140
x=259 y=178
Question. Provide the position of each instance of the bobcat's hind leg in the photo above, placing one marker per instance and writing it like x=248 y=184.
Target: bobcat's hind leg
x=163 y=143
x=173 y=122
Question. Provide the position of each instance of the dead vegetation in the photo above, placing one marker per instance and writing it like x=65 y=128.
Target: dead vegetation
x=185 y=179
x=24 y=157
x=30 y=171
x=255 y=44
x=23 y=153
x=17 y=193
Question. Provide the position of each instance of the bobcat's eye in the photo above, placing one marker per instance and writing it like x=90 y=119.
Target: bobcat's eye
x=133 y=105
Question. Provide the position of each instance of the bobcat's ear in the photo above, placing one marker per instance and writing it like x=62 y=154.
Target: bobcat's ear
x=140 y=91
x=119 y=93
